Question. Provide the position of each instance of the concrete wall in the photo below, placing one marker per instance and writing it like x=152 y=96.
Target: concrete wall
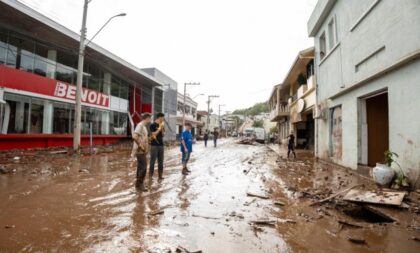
x=372 y=35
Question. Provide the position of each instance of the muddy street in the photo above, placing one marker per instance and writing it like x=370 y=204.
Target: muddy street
x=238 y=198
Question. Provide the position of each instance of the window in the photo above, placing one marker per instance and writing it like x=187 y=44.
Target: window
x=115 y=86
x=19 y=113
x=61 y=121
x=322 y=46
x=124 y=90
x=95 y=78
x=332 y=35
x=3 y=47
x=37 y=116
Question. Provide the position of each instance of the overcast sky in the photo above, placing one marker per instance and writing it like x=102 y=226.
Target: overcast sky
x=238 y=49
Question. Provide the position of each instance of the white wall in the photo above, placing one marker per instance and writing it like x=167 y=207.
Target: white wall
x=392 y=30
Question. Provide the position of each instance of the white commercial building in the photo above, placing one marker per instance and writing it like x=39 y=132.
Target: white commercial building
x=367 y=60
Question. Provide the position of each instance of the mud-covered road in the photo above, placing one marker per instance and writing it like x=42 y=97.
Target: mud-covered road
x=89 y=204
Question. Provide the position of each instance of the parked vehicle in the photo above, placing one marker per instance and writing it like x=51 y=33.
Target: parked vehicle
x=259 y=134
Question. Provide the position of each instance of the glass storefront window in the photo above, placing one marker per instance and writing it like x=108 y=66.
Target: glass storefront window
x=61 y=122
x=37 y=116
x=3 y=47
x=66 y=74
x=124 y=90
x=115 y=86
x=18 y=115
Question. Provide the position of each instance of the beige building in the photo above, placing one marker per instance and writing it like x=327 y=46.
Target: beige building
x=293 y=102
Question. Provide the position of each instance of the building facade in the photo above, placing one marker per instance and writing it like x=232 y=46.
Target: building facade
x=169 y=100
x=367 y=60
x=292 y=103
x=38 y=69
x=190 y=114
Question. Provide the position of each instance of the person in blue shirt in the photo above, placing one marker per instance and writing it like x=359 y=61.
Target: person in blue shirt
x=186 y=147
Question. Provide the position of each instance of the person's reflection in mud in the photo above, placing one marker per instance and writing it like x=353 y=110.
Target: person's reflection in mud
x=184 y=202
x=153 y=203
x=139 y=219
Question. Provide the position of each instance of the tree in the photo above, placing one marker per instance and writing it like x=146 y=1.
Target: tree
x=256 y=109
x=258 y=123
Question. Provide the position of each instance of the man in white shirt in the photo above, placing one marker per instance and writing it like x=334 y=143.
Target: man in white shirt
x=141 y=140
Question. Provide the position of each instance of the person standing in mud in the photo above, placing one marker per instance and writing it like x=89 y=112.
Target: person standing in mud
x=186 y=147
x=291 y=145
x=215 y=137
x=206 y=137
x=141 y=140
x=157 y=149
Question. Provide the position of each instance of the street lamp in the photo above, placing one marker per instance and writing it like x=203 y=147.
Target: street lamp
x=208 y=108
x=183 y=107
x=82 y=46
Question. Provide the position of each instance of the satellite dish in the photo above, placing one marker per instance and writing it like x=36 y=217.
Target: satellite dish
x=300 y=105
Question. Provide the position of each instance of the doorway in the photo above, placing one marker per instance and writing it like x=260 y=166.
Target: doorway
x=377 y=128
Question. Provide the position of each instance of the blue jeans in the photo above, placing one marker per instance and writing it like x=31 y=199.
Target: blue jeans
x=185 y=158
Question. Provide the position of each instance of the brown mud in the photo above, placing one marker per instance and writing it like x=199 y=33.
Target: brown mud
x=238 y=198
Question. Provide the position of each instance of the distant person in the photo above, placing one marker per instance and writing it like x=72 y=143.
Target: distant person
x=206 y=137
x=291 y=145
x=157 y=151
x=186 y=147
x=141 y=140
x=215 y=137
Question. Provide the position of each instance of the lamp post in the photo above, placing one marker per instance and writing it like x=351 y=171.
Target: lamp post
x=183 y=107
x=82 y=46
x=208 y=109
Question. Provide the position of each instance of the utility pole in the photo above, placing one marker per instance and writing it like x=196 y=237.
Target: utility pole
x=78 y=109
x=208 y=108
x=183 y=107
x=220 y=122
x=82 y=47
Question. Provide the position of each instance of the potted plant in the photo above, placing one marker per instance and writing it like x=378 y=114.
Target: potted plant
x=383 y=173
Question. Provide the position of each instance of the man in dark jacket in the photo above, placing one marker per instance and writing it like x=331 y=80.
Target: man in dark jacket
x=206 y=137
x=291 y=145
x=215 y=136
x=157 y=150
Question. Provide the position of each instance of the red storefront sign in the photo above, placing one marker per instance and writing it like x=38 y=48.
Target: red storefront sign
x=21 y=80
x=67 y=91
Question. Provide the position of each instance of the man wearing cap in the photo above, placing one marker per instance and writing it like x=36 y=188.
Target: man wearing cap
x=141 y=140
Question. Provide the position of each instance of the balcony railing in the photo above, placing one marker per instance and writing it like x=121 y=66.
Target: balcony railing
x=279 y=111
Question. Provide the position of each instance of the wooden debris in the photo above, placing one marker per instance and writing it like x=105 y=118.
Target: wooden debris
x=350 y=224
x=250 y=202
x=256 y=195
x=158 y=212
x=415 y=239
x=205 y=217
x=379 y=212
x=264 y=222
x=181 y=249
x=247 y=171
x=279 y=203
x=56 y=152
x=356 y=240
x=286 y=221
x=333 y=196
x=382 y=197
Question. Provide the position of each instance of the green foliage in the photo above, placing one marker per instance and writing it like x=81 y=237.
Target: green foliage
x=258 y=123
x=389 y=157
x=253 y=110
x=273 y=130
